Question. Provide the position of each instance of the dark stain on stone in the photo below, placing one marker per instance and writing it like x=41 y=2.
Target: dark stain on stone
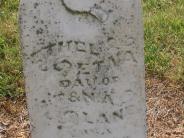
x=59 y=127
x=60 y=43
x=39 y=31
x=43 y=101
x=36 y=5
x=110 y=38
x=110 y=11
x=42 y=22
x=49 y=94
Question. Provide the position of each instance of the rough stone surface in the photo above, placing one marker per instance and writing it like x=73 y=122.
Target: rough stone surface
x=84 y=68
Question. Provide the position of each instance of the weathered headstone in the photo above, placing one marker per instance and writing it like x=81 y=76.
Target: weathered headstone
x=84 y=68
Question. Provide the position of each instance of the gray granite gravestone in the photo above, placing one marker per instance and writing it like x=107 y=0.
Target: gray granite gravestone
x=84 y=68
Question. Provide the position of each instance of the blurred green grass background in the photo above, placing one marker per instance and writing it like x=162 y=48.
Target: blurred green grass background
x=164 y=44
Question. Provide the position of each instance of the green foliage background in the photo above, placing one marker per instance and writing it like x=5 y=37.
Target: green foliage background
x=164 y=43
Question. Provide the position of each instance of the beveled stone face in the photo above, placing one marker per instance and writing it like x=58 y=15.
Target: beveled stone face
x=84 y=68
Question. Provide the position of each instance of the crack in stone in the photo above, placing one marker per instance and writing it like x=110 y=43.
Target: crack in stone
x=82 y=13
